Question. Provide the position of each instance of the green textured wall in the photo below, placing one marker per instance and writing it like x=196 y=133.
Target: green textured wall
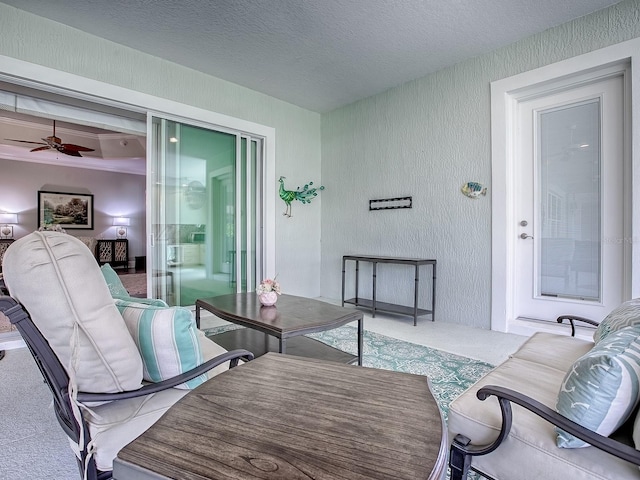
x=426 y=139
x=40 y=41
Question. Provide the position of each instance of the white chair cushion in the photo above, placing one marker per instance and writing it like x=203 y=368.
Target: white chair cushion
x=211 y=349
x=553 y=350
x=116 y=424
x=531 y=445
x=59 y=282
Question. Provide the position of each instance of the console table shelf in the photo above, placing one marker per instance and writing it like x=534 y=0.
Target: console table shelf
x=386 y=307
x=376 y=306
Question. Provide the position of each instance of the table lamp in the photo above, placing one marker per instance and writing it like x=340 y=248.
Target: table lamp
x=7 y=220
x=121 y=224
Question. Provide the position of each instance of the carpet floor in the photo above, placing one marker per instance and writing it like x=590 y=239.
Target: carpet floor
x=135 y=283
x=33 y=445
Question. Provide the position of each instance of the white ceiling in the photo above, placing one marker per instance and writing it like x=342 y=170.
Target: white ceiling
x=317 y=54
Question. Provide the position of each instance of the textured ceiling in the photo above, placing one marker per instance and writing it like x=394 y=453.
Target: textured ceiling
x=317 y=54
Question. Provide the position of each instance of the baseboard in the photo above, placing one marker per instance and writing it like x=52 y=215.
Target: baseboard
x=529 y=326
x=11 y=340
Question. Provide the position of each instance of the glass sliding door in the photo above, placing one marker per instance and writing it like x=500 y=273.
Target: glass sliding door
x=204 y=211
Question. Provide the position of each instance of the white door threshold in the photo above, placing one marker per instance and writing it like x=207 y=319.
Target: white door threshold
x=529 y=326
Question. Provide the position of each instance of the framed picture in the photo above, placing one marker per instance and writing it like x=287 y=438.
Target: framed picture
x=69 y=210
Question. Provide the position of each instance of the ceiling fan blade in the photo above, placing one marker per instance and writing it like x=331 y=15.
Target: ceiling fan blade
x=53 y=142
x=72 y=153
x=77 y=148
x=25 y=141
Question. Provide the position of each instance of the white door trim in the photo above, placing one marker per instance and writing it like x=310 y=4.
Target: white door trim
x=505 y=95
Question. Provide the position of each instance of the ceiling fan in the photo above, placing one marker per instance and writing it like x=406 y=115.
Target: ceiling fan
x=55 y=143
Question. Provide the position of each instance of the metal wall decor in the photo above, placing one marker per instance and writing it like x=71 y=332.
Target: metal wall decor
x=304 y=195
x=390 y=203
x=473 y=189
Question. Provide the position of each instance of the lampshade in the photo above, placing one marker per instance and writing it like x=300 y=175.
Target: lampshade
x=121 y=221
x=8 y=218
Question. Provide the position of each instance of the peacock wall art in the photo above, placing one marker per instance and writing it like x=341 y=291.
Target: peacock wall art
x=304 y=195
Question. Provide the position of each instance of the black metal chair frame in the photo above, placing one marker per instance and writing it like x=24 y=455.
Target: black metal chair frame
x=462 y=451
x=57 y=379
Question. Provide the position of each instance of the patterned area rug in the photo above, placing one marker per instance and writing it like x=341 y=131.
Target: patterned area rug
x=448 y=374
x=135 y=283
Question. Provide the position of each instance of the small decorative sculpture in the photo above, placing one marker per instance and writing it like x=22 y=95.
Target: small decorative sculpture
x=305 y=195
x=473 y=189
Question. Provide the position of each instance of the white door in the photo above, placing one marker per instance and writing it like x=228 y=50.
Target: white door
x=569 y=255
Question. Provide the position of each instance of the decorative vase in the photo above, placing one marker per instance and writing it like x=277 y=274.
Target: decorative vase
x=269 y=298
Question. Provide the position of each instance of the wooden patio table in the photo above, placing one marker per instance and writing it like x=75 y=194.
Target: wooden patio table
x=281 y=328
x=286 y=417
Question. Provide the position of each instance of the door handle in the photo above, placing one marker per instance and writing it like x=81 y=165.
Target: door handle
x=524 y=236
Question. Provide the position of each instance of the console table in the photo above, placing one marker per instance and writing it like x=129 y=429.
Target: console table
x=373 y=304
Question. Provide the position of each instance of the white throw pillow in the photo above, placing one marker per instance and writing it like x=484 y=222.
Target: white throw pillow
x=59 y=282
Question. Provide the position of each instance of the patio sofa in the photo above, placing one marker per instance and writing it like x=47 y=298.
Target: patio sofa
x=564 y=408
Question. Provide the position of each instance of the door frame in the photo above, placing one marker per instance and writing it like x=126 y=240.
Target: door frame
x=23 y=73
x=505 y=95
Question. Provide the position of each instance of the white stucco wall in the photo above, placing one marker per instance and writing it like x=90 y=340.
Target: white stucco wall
x=425 y=139
x=43 y=42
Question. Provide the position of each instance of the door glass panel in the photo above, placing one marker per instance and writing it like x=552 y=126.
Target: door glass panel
x=194 y=221
x=569 y=189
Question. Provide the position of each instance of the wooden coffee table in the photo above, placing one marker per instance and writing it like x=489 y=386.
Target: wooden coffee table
x=287 y=417
x=281 y=328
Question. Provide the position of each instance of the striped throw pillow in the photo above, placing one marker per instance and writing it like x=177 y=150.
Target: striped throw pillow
x=600 y=391
x=166 y=338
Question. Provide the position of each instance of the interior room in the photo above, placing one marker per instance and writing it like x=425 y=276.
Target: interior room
x=225 y=145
